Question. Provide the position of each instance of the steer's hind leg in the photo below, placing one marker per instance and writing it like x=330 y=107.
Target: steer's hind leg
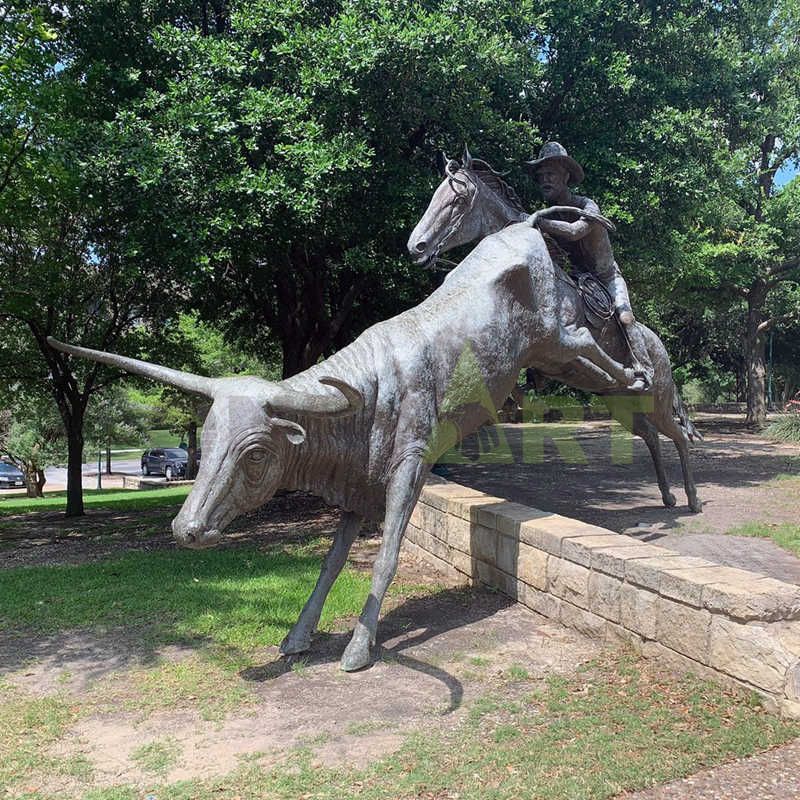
x=401 y=496
x=298 y=640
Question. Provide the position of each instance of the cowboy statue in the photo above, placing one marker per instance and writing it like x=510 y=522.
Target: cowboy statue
x=585 y=241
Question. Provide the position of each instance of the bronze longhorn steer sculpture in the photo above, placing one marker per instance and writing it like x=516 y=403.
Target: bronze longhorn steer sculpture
x=474 y=202
x=362 y=429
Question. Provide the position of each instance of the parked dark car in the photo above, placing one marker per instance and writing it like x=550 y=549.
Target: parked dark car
x=167 y=461
x=10 y=476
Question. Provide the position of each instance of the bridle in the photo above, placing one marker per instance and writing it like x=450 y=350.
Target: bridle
x=451 y=168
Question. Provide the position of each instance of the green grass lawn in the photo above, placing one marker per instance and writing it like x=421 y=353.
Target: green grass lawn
x=784 y=534
x=116 y=499
x=242 y=597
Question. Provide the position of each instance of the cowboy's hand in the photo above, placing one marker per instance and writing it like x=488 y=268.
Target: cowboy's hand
x=533 y=219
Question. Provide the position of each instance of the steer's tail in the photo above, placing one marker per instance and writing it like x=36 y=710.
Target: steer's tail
x=679 y=411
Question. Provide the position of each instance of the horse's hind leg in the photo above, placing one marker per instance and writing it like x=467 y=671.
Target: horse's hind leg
x=665 y=423
x=639 y=425
x=645 y=429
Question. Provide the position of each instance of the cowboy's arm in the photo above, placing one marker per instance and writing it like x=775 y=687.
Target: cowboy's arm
x=570 y=231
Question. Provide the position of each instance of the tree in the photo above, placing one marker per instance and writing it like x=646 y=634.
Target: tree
x=82 y=250
x=32 y=437
x=112 y=418
x=301 y=137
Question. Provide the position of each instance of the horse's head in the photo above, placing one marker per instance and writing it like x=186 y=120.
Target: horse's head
x=471 y=202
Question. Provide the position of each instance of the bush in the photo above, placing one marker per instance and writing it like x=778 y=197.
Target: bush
x=786 y=428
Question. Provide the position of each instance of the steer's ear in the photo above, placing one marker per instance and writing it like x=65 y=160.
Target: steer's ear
x=295 y=433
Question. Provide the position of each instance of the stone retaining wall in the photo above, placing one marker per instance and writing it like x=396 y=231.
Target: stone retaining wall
x=716 y=621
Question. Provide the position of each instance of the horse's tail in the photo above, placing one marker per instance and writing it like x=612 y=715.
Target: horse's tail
x=679 y=411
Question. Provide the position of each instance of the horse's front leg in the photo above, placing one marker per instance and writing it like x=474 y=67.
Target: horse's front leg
x=298 y=640
x=401 y=496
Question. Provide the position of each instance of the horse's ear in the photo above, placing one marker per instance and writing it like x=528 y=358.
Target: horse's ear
x=466 y=159
x=441 y=161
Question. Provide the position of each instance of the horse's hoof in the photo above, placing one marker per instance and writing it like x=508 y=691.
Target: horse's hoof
x=356 y=655
x=670 y=501
x=292 y=645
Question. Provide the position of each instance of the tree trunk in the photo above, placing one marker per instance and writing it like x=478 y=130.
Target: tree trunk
x=30 y=480
x=108 y=458
x=191 y=447
x=75 y=468
x=40 y=482
x=755 y=353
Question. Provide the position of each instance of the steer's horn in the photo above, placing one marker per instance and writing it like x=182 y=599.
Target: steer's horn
x=339 y=405
x=187 y=381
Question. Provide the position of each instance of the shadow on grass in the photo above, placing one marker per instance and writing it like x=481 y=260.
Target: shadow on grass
x=95 y=619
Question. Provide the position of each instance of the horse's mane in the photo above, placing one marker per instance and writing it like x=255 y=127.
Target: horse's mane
x=494 y=180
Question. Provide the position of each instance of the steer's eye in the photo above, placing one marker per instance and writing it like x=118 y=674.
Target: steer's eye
x=257 y=456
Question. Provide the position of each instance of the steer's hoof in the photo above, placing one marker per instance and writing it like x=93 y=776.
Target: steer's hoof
x=292 y=645
x=356 y=656
x=696 y=505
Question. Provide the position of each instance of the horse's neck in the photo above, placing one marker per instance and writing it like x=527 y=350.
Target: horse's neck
x=497 y=214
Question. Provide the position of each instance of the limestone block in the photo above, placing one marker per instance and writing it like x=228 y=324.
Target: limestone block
x=416 y=515
x=683 y=629
x=568 y=581
x=507 y=553
x=464 y=563
x=439 y=495
x=789 y=709
x=483 y=544
x=583 y=621
x=792 y=686
x=614 y=560
x=459 y=533
x=497 y=579
x=412 y=533
x=751 y=652
x=680 y=663
x=639 y=610
x=507 y=516
x=433 y=521
x=548 y=532
x=604 y=596
x=468 y=507
x=436 y=547
x=789 y=636
x=647 y=572
x=686 y=584
x=532 y=566
x=542 y=603
x=753 y=597
x=579 y=549
x=620 y=636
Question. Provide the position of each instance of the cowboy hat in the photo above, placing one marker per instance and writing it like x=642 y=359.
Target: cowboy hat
x=553 y=151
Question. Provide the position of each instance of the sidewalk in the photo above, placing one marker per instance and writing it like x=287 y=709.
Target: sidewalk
x=774 y=775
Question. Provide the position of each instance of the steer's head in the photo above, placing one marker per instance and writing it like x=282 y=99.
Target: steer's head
x=246 y=441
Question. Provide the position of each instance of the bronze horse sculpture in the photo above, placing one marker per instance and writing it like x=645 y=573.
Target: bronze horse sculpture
x=473 y=202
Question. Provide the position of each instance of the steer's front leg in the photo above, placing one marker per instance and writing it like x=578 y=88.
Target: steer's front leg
x=401 y=496
x=298 y=640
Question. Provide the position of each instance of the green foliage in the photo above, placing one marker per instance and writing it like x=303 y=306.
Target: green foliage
x=785 y=429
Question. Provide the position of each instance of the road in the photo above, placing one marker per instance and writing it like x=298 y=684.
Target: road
x=125 y=465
